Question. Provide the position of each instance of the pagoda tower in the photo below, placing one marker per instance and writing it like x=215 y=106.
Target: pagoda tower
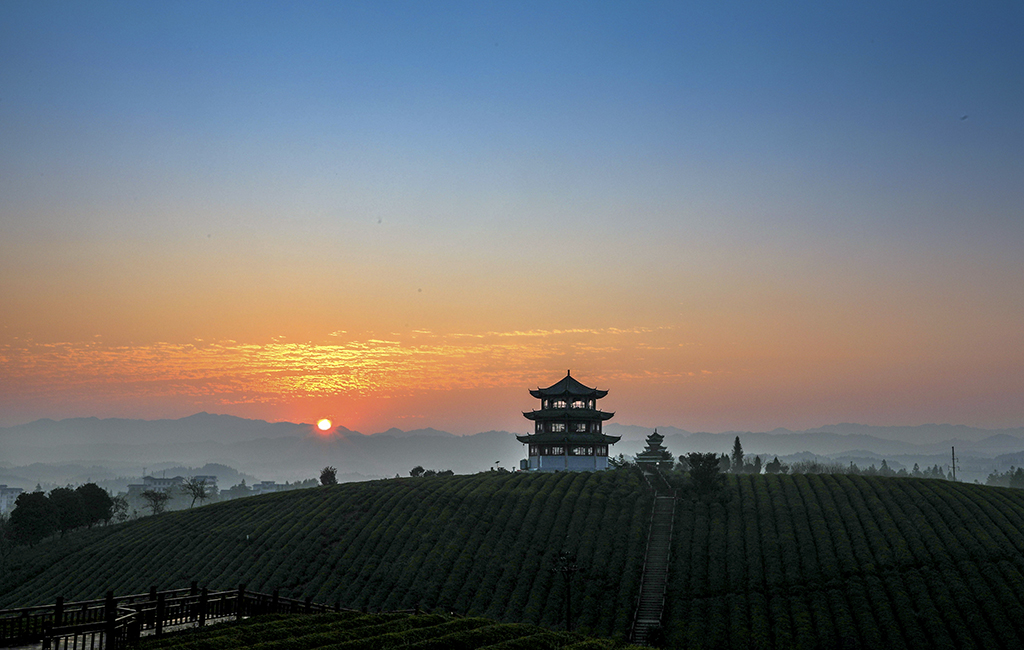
x=567 y=429
x=655 y=452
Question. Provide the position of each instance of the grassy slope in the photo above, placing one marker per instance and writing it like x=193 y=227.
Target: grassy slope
x=849 y=561
x=772 y=561
x=376 y=631
x=479 y=545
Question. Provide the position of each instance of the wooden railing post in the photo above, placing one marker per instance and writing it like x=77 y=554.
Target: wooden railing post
x=110 y=629
x=309 y=604
x=275 y=602
x=202 y=606
x=58 y=612
x=241 y=601
x=194 y=589
x=161 y=612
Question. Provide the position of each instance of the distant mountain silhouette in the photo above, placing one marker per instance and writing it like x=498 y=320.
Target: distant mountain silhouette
x=289 y=451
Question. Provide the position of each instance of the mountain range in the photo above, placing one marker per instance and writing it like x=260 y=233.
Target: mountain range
x=294 y=451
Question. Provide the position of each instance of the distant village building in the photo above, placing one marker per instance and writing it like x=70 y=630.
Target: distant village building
x=265 y=487
x=166 y=485
x=567 y=429
x=8 y=495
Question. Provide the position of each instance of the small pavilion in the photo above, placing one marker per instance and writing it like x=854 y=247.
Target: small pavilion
x=567 y=429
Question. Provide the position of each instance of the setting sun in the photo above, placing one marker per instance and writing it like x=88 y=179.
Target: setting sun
x=324 y=424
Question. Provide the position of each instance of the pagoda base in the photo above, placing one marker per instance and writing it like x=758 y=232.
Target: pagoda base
x=566 y=463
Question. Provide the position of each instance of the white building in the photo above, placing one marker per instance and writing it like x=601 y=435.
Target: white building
x=8 y=495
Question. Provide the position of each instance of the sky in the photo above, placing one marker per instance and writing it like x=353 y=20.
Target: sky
x=731 y=216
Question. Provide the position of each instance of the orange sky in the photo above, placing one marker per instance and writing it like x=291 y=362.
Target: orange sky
x=411 y=218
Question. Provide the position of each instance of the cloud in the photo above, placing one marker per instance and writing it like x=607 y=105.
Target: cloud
x=279 y=371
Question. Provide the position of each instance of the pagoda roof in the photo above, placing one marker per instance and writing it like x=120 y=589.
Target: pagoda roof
x=568 y=386
x=575 y=414
x=568 y=438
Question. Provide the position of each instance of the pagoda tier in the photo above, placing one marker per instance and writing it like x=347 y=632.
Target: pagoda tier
x=567 y=428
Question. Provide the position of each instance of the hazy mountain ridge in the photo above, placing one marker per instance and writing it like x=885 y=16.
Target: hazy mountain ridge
x=288 y=451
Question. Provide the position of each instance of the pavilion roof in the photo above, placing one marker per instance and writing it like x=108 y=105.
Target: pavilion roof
x=572 y=414
x=568 y=438
x=568 y=386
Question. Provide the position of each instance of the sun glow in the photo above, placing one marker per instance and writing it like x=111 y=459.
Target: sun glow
x=323 y=424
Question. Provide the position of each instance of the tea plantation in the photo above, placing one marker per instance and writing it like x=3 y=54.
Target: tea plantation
x=353 y=631
x=812 y=561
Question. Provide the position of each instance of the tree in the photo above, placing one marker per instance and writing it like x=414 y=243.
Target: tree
x=97 y=503
x=705 y=470
x=70 y=508
x=329 y=475
x=430 y=472
x=237 y=491
x=197 y=488
x=34 y=518
x=737 y=456
x=416 y=471
x=156 y=500
x=776 y=467
x=724 y=464
x=618 y=462
x=119 y=509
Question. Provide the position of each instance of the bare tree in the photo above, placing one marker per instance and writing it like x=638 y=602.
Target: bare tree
x=197 y=488
x=156 y=500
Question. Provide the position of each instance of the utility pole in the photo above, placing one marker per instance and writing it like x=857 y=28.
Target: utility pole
x=953 y=459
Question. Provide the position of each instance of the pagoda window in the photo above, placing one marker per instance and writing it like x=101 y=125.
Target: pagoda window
x=557 y=451
x=579 y=404
x=539 y=428
x=581 y=427
x=581 y=451
x=557 y=427
x=602 y=450
x=533 y=450
x=558 y=404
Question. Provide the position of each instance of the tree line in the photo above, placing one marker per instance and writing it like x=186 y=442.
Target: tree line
x=38 y=515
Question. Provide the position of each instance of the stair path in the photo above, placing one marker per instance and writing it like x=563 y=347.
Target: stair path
x=655 y=577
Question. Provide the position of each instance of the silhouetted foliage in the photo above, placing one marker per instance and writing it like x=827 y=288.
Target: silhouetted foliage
x=705 y=471
x=416 y=471
x=34 y=518
x=724 y=464
x=97 y=502
x=197 y=488
x=119 y=508
x=70 y=508
x=1013 y=477
x=776 y=467
x=156 y=500
x=737 y=456
x=618 y=462
x=329 y=475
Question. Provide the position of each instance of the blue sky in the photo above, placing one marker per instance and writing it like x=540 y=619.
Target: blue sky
x=737 y=174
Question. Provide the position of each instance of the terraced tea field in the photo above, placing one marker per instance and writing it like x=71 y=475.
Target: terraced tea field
x=829 y=561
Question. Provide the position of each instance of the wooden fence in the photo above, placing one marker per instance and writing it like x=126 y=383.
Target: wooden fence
x=116 y=623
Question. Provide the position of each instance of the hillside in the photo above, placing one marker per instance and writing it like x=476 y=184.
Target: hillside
x=849 y=561
x=479 y=544
x=377 y=631
x=770 y=561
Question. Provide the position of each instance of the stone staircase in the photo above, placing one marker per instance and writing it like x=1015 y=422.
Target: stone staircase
x=655 y=577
